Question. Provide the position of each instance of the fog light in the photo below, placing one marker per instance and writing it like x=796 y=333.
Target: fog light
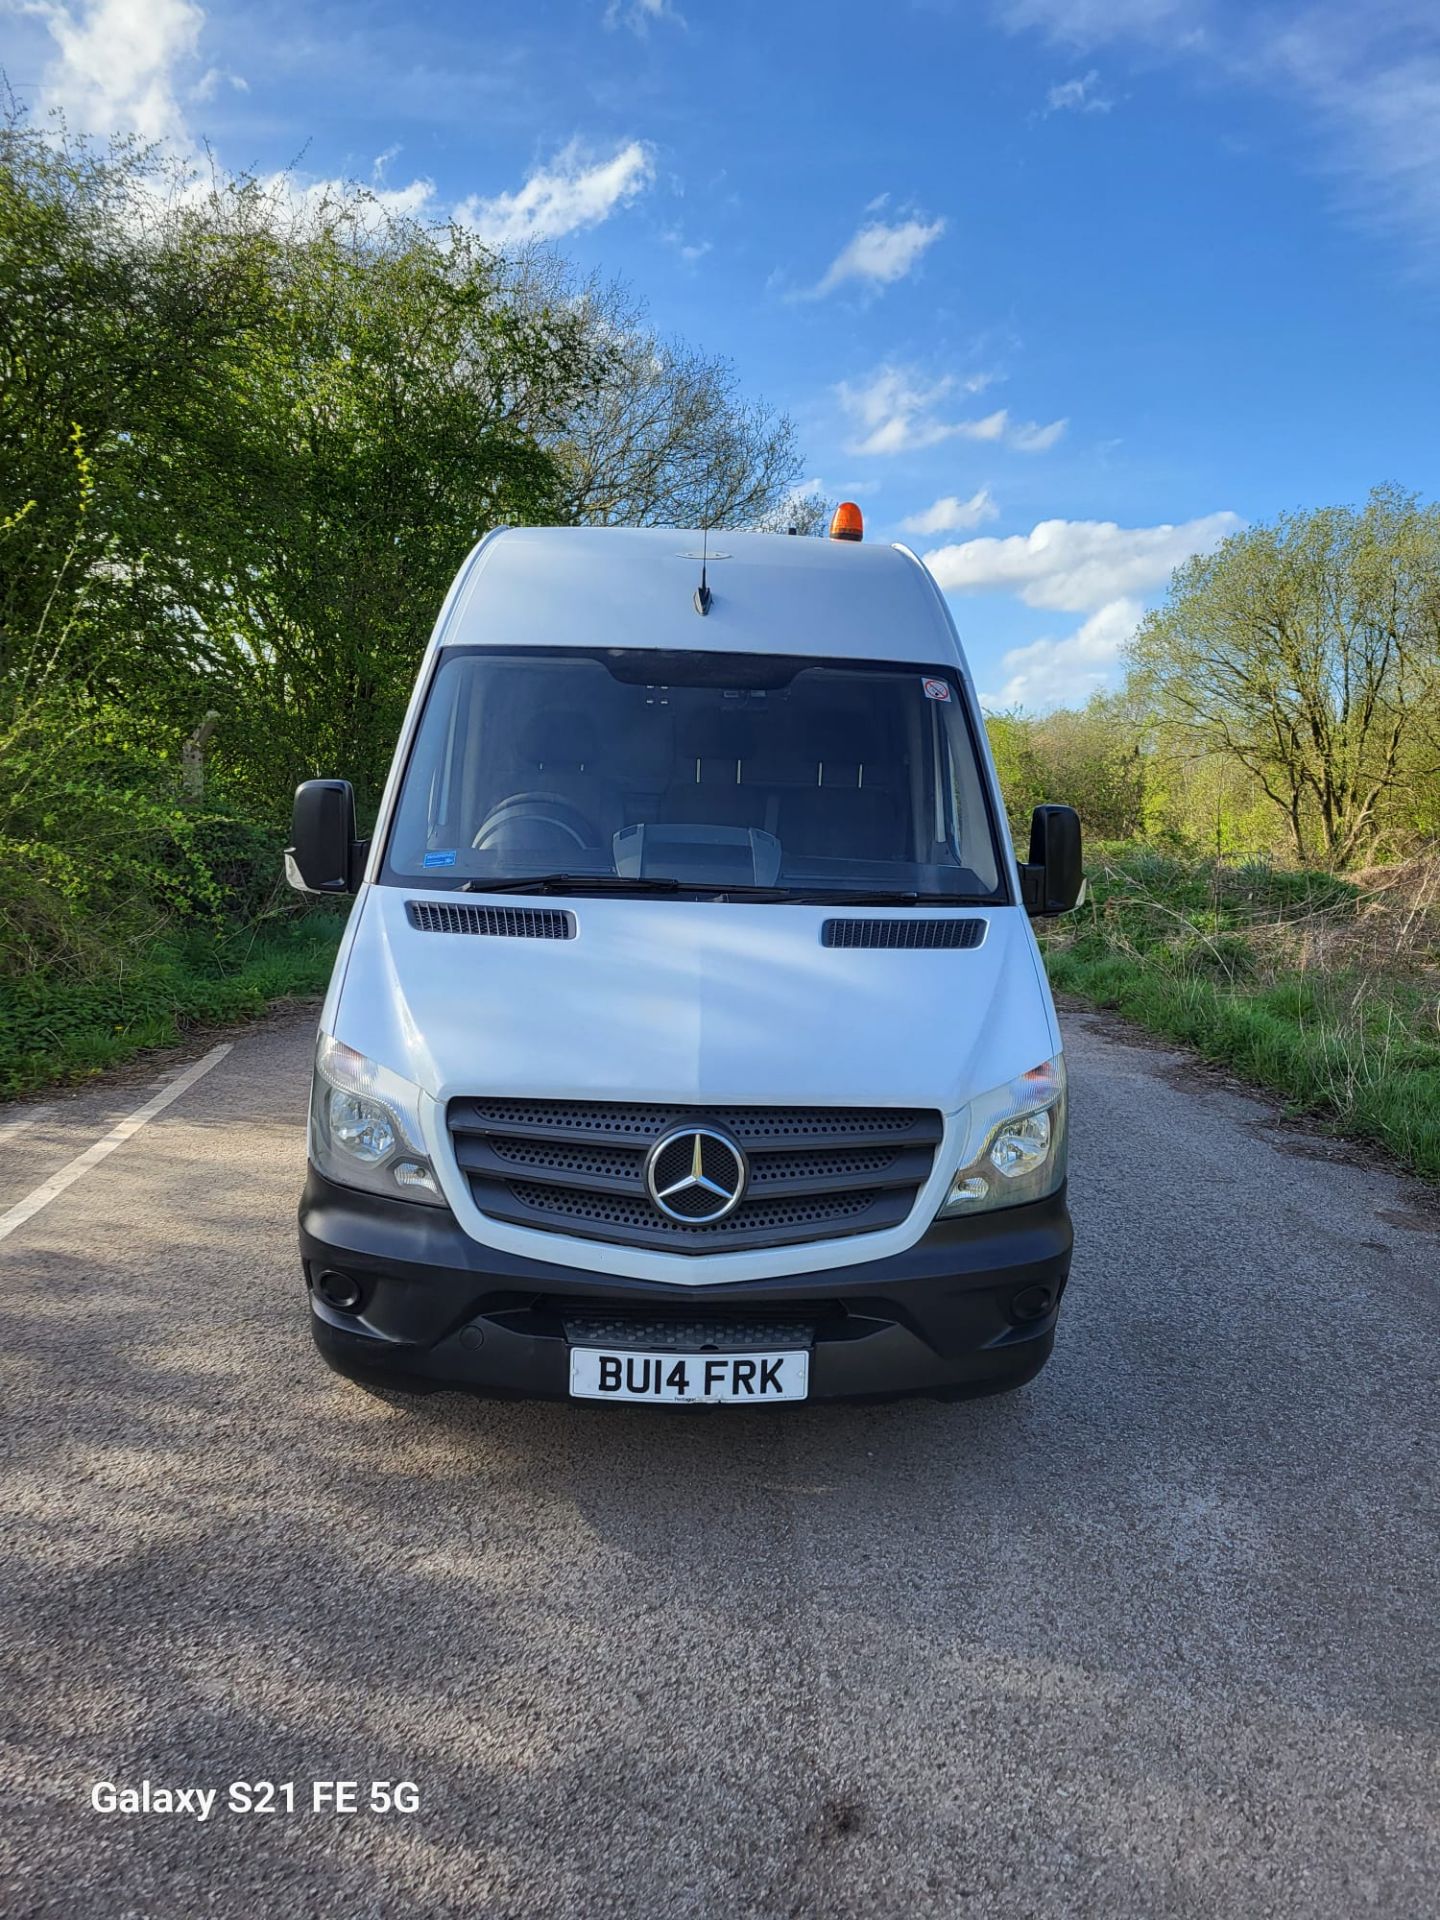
x=1032 y=1303
x=339 y=1290
x=409 y=1173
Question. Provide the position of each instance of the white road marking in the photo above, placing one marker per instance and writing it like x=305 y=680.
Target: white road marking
x=9 y=1128
x=50 y=1189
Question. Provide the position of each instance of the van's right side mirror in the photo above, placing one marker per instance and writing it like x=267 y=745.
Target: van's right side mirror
x=1052 y=879
x=324 y=856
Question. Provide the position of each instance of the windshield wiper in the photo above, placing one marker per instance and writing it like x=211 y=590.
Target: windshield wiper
x=818 y=896
x=723 y=890
x=575 y=883
x=958 y=900
x=859 y=897
x=868 y=897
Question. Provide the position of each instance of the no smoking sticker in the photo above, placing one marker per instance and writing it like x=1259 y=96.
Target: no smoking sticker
x=936 y=689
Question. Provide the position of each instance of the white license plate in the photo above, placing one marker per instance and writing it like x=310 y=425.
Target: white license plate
x=739 y=1379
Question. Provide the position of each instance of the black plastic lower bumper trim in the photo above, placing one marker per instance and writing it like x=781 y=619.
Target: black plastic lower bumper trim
x=972 y=1306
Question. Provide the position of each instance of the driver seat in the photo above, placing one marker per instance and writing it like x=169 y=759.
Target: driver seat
x=550 y=798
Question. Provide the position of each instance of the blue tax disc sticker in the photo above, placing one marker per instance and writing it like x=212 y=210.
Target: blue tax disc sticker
x=445 y=859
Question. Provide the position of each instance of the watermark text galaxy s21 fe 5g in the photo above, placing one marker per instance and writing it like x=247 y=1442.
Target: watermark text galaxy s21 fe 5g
x=172 y=1801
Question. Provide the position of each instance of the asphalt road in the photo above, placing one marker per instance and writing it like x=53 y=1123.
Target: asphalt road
x=1156 y=1636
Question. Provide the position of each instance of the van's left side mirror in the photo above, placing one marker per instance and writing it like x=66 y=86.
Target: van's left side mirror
x=324 y=856
x=1052 y=878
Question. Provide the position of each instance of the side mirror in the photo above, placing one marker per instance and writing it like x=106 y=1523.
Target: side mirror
x=1052 y=880
x=324 y=856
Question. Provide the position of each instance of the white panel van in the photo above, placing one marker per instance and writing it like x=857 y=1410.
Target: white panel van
x=688 y=1041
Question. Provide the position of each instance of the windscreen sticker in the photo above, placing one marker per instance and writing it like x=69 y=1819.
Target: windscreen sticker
x=936 y=689
x=446 y=859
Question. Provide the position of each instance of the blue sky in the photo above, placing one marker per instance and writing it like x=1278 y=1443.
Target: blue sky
x=1058 y=290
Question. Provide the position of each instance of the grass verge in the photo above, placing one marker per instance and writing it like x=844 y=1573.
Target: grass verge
x=1324 y=990
x=59 y=1027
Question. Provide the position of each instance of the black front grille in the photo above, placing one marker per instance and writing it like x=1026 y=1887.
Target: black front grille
x=687 y=1333
x=578 y=1167
x=903 y=933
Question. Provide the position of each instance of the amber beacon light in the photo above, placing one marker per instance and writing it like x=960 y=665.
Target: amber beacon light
x=847 y=524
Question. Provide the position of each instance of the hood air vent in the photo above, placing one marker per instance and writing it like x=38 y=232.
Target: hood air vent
x=505 y=923
x=903 y=933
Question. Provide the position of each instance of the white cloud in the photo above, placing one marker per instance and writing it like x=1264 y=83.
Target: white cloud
x=211 y=81
x=896 y=411
x=123 y=66
x=952 y=514
x=1065 y=672
x=994 y=426
x=552 y=201
x=1367 y=75
x=120 y=64
x=879 y=254
x=1086 y=23
x=1032 y=438
x=574 y=191
x=1080 y=95
x=690 y=251
x=1371 y=77
x=641 y=15
x=293 y=198
x=1077 y=565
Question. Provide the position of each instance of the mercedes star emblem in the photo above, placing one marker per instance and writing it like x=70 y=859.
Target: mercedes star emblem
x=696 y=1175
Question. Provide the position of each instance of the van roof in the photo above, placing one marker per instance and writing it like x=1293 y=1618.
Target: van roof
x=634 y=587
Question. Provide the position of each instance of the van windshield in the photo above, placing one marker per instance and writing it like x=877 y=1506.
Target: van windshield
x=779 y=776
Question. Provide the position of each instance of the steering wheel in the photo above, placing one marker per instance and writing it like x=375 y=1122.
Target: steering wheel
x=552 y=810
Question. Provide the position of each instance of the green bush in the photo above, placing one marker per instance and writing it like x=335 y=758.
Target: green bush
x=222 y=868
x=94 y=824
x=59 y=1028
x=128 y=911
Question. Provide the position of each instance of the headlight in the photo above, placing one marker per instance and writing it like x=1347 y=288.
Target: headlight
x=365 y=1127
x=1014 y=1143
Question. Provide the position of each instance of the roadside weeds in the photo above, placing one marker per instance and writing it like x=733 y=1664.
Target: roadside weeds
x=1325 y=991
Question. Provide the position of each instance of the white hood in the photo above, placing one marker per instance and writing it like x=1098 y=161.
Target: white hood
x=693 y=1002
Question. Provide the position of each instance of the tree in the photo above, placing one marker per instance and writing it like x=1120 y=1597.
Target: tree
x=293 y=418
x=1206 y=802
x=1022 y=780
x=664 y=436
x=247 y=436
x=296 y=415
x=388 y=414
x=804 y=510
x=1088 y=758
x=1309 y=653
x=118 y=339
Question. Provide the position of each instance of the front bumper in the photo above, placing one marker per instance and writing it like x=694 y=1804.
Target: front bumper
x=971 y=1307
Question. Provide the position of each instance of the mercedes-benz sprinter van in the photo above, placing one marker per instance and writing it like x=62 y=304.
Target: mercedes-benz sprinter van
x=689 y=1040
